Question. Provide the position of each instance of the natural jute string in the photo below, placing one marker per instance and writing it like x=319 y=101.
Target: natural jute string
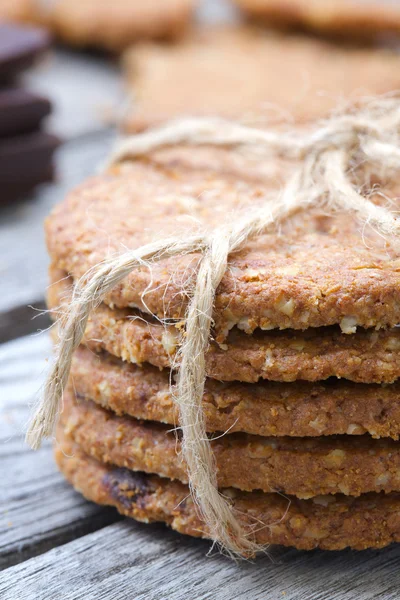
x=327 y=155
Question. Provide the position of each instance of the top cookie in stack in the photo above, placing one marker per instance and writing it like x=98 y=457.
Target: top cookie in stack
x=317 y=276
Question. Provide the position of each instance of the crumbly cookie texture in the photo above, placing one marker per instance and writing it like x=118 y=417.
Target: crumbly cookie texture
x=313 y=355
x=316 y=271
x=339 y=17
x=303 y=467
x=237 y=73
x=114 y=26
x=326 y=522
x=267 y=409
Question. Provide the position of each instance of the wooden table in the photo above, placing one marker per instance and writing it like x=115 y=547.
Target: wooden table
x=54 y=545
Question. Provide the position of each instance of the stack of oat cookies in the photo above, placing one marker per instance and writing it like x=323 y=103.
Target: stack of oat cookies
x=302 y=367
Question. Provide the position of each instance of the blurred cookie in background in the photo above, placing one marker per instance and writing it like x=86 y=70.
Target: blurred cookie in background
x=114 y=25
x=20 y=11
x=354 y=18
x=102 y=24
x=247 y=74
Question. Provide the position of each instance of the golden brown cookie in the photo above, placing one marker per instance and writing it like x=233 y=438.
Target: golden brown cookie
x=316 y=271
x=303 y=467
x=327 y=522
x=20 y=11
x=356 y=18
x=253 y=75
x=367 y=356
x=267 y=408
x=115 y=25
x=101 y=24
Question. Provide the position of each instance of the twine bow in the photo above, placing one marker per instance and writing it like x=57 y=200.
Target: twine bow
x=326 y=156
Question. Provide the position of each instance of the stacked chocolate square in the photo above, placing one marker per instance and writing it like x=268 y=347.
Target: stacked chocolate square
x=26 y=152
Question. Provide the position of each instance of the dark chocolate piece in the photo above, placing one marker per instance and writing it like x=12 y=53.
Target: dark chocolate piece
x=20 y=46
x=21 y=111
x=13 y=191
x=24 y=156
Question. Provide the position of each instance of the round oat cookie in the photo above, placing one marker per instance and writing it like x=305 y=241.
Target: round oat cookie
x=313 y=355
x=101 y=24
x=114 y=26
x=326 y=522
x=267 y=408
x=252 y=75
x=355 y=18
x=316 y=271
x=302 y=467
x=20 y=11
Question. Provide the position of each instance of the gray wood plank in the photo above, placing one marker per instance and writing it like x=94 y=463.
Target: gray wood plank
x=23 y=364
x=38 y=509
x=152 y=563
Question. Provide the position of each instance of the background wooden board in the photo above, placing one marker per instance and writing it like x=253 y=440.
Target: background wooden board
x=54 y=544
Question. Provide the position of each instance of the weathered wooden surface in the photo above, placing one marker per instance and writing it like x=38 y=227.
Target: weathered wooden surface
x=129 y=560
x=54 y=544
x=38 y=510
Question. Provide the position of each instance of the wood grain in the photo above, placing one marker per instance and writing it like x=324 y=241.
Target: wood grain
x=38 y=509
x=152 y=563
